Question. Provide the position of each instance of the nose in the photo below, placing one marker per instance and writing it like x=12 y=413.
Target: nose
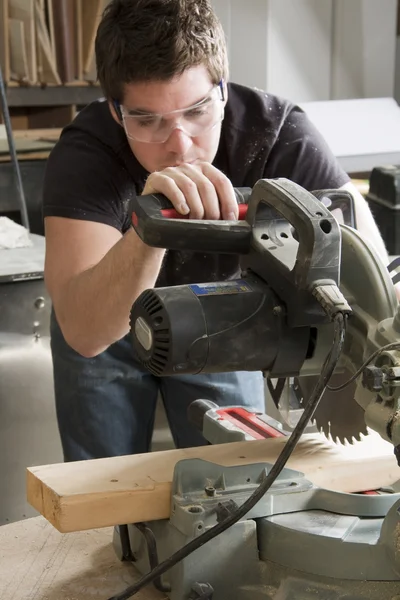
x=178 y=142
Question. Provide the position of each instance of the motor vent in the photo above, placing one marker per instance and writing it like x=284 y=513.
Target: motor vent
x=153 y=341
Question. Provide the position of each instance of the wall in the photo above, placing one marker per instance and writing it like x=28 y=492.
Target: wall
x=312 y=49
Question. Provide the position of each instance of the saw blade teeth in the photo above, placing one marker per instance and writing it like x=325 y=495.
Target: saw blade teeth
x=338 y=416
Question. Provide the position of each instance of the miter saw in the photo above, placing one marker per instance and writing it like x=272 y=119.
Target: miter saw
x=314 y=305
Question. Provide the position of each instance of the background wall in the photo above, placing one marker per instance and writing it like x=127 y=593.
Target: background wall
x=310 y=50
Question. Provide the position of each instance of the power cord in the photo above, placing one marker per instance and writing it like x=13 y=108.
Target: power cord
x=327 y=370
x=388 y=347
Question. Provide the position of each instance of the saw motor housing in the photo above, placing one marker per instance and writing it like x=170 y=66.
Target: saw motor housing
x=299 y=267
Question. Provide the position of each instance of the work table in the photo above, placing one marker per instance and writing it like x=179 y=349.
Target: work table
x=39 y=563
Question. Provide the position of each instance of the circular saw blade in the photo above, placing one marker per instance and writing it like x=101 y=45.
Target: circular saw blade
x=338 y=416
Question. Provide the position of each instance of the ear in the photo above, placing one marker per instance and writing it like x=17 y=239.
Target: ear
x=115 y=111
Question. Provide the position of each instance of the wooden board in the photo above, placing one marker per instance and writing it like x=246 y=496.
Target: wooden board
x=18 y=55
x=23 y=10
x=48 y=69
x=127 y=489
x=26 y=146
x=39 y=563
x=27 y=156
x=90 y=18
x=4 y=41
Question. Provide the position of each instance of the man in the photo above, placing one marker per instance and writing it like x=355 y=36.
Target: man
x=172 y=124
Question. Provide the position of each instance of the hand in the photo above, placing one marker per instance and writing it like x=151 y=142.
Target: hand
x=198 y=190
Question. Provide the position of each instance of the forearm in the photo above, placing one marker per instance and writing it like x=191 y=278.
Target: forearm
x=366 y=224
x=93 y=310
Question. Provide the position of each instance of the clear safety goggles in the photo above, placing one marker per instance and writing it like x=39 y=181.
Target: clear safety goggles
x=193 y=121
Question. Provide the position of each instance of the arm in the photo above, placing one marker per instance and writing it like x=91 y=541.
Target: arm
x=368 y=228
x=94 y=274
x=365 y=222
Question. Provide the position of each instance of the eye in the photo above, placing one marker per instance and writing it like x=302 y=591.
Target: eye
x=145 y=121
x=197 y=112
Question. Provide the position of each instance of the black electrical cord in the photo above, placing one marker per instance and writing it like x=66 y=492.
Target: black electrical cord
x=326 y=373
x=392 y=346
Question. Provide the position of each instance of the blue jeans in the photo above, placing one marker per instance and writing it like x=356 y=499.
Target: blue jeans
x=106 y=405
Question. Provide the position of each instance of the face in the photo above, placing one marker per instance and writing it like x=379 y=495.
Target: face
x=160 y=97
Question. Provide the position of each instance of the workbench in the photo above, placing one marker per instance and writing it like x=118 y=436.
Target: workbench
x=39 y=563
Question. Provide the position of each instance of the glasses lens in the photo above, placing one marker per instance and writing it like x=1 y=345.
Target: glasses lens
x=193 y=121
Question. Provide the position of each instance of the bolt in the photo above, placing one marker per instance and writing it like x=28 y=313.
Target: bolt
x=39 y=302
x=210 y=490
x=277 y=310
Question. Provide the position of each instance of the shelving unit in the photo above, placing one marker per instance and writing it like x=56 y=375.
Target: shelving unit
x=47 y=58
x=34 y=96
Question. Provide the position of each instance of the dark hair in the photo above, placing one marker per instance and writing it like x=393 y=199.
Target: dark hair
x=145 y=40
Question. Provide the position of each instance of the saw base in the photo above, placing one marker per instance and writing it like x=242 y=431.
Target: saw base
x=299 y=541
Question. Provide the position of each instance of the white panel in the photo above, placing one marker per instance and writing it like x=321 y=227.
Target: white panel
x=223 y=10
x=397 y=72
x=362 y=133
x=248 y=42
x=364 y=48
x=299 y=49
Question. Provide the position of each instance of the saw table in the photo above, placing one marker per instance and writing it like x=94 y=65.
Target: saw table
x=39 y=563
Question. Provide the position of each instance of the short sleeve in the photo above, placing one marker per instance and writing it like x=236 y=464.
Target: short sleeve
x=301 y=154
x=84 y=180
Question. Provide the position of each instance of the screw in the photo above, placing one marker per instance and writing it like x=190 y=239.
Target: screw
x=39 y=302
x=277 y=310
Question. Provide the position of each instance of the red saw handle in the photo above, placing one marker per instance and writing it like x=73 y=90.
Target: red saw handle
x=171 y=213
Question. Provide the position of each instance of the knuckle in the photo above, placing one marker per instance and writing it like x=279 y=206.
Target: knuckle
x=168 y=170
x=221 y=180
x=206 y=186
x=188 y=186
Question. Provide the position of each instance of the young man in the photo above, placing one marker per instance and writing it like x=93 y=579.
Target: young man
x=171 y=123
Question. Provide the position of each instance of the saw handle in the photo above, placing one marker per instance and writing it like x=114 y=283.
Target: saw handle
x=158 y=224
x=317 y=231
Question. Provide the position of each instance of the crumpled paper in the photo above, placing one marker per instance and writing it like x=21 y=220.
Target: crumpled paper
x=13 y=235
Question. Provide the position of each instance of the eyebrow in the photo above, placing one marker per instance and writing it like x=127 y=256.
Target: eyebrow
x=141 y=112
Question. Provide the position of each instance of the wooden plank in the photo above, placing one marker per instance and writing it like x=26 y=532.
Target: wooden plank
x=39 y=563
x=124 y=489
x=4 y=41
x=18 y=52
x=79 y=40
x=48 y=71
x=23 y=10
x=27 y=156
x=91 y=13
x=38 y=134
x=25 y=146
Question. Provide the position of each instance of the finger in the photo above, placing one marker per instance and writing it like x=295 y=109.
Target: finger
x=225 y=192
x=206 y=190
x=188 y=186
x=160 y=183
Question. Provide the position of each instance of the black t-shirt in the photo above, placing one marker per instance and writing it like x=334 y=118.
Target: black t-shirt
x=92 y=173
